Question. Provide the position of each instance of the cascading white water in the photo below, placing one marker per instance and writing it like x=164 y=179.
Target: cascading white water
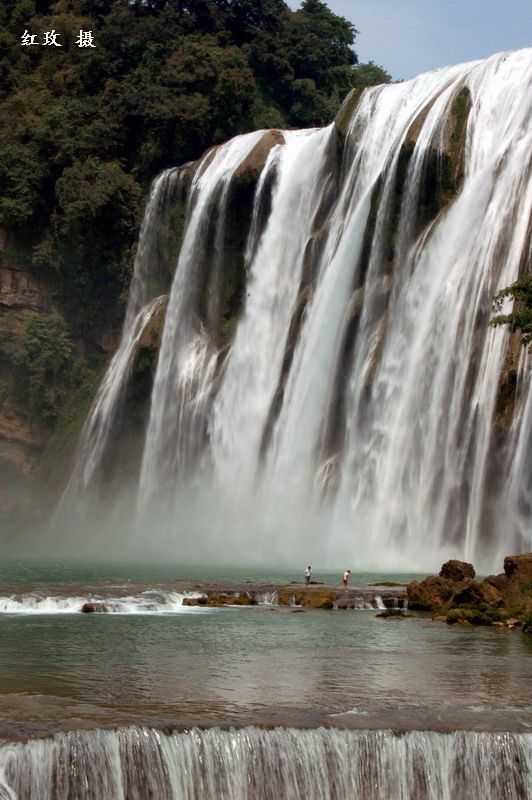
x=254 y=364
x=141 y=307
x=418 y=449
x=185 y=366
x=353 y=416
x=279 y=764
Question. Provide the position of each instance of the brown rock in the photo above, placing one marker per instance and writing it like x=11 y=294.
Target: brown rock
x=93 y=608
x=494 y=589
x=455 y=570
x=439 y=618
x=499 y=582
x=21 y=290
x=519 y=568
x=433 y=592
x=470 y=593
x=252 y=166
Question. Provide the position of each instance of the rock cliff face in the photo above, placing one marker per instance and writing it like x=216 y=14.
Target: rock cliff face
x=23 y=290
x=26 y=289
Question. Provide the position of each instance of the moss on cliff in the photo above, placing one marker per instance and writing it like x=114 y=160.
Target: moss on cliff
x=57 y=456
x=347 y=109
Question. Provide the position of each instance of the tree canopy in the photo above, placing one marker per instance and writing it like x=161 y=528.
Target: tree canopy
x=85 y=124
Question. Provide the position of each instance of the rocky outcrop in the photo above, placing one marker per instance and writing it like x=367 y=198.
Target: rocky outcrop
x=518 y=569
x=220 y=599
x=251 y=167
x=457 y=570
x=429 y=594
x=23 y=291
x=455 y=596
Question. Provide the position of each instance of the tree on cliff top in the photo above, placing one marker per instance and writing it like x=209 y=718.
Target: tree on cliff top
x=164 y=80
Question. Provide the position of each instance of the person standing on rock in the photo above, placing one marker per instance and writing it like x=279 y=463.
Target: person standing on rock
x=347 y=573
x=308 y=575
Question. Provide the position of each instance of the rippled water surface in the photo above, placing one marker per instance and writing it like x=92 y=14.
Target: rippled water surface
x=261 y=665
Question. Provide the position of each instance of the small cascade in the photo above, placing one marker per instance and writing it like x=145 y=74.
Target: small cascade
x=267 y=598
x=280 y=764
x=148 y=602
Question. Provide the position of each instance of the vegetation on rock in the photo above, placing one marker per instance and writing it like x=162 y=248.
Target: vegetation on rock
x=504 y=599
x=520 y=319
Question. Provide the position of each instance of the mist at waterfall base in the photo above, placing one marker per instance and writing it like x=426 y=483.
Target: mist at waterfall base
x=350 y=419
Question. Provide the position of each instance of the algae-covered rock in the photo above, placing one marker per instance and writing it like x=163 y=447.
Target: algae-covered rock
x=346 y=111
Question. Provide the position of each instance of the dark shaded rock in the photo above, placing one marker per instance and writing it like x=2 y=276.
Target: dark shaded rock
x=219 y=599
x=470 y=593
x=519 y=568
x=393 y=613
x=93 y=608
x=455 y=570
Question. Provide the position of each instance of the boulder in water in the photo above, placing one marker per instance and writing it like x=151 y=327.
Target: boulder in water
x=93 y=608
x=455 y=570
x=499 y=599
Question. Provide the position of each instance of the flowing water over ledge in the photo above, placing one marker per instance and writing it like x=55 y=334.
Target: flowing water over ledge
x=253 y=764
x=163 y=700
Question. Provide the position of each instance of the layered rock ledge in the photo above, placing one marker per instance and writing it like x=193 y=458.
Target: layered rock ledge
x=298 y=595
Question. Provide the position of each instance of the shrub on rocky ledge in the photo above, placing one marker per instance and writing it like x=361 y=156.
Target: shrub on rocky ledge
x=496 y=600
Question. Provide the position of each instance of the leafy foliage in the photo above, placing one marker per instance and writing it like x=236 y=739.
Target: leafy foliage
x=46 y=352
x=84 y=129
x=370 y=74
x=520 y=319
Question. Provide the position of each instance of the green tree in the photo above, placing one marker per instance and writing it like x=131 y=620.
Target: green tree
x=45 y=351
x=84 y=130
x=370 y=74
x=520 y=319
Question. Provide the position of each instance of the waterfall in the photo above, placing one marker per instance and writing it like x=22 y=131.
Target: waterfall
x=174 y=437
x=148 y=275
x=278 y=764
x=335 y=389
